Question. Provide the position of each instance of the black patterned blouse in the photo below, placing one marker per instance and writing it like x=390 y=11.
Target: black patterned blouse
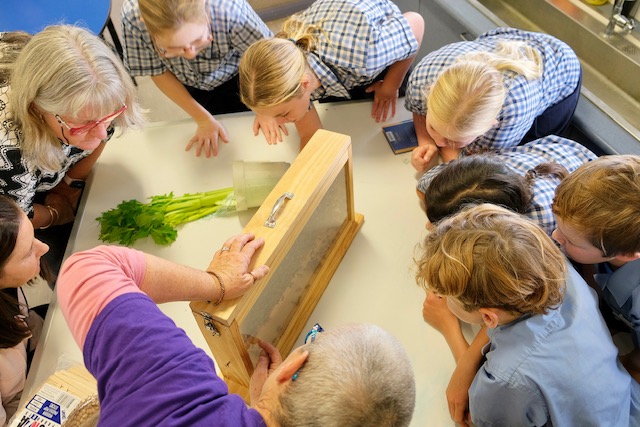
x=20 y=179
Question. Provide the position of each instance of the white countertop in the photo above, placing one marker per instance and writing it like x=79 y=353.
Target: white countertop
x=373 y=284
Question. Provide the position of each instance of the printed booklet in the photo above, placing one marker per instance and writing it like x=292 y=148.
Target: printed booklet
x=401 y=136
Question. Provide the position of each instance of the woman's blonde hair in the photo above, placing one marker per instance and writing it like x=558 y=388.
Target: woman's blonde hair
x=489 y=257
x=468 y=96
x=271 y=70
x=168 y=15
x=11 y=43
x=64 y=70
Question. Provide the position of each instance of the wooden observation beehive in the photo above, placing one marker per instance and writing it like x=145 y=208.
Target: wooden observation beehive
x=315 y=222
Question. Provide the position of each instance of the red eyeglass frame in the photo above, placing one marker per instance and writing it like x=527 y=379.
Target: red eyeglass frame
x=86 y=128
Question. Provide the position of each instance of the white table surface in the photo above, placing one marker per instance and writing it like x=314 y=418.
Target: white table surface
x=373 y=284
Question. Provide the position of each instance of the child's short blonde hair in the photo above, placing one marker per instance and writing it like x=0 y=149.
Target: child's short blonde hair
x=489 y=257
x=601 y=200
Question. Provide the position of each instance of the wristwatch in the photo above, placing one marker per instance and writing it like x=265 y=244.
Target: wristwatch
x=73 y=183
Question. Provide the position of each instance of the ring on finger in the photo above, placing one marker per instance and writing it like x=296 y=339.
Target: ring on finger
x=225 y=248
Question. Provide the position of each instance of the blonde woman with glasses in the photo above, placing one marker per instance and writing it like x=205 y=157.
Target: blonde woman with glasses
x=502 y=89
x=191 y=49
x=62 y=96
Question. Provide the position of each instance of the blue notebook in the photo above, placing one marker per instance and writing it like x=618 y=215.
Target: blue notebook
x=401 y=136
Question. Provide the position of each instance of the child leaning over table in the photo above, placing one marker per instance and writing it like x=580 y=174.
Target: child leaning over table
x=522 y=178
x=504 y=88
x=551 y=360
x=347 y=49
x=191 y=50
x=597 y=211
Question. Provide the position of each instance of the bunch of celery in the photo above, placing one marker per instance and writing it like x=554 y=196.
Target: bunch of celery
x=132 y=220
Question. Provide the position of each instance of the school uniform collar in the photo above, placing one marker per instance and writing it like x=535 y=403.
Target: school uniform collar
x=331 y=86
x=622 y=282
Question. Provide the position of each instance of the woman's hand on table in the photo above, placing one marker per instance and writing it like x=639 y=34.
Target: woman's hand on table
x=271 y=129
x=208 y=134
x=232 y=264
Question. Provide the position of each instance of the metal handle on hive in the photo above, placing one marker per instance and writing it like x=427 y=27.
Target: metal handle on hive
x=271 y=221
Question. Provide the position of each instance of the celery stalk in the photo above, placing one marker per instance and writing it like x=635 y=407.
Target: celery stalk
x=132 y=220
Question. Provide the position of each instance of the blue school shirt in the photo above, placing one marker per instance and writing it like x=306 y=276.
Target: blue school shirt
x=521 y=159
x=525 y=99
x=234 y=27
x=621 y=292
x=559 y=369
x=360 y=39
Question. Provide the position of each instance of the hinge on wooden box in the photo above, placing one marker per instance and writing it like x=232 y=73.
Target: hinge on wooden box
x=208 y=323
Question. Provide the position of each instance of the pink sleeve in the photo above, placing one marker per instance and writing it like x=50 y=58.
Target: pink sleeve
x=89 y=280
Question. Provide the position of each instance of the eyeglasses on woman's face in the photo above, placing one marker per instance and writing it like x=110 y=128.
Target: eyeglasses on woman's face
x=83 y=129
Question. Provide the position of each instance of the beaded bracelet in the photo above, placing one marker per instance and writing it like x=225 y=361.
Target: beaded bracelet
x=217 y=276
x=54 y=215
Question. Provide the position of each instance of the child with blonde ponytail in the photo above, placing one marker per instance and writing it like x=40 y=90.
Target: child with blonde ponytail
x=333 y=49
x=505 y=88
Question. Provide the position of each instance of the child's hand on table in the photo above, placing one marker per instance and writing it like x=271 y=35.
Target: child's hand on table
x=207 y=135
x=271 y=129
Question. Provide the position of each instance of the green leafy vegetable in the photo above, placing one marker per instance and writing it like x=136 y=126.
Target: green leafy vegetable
x=132 y=220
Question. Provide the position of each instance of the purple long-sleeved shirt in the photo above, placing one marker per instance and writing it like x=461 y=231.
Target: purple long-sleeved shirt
x=149 y=372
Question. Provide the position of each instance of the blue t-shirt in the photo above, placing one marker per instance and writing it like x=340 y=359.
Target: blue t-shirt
x=560 y=369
